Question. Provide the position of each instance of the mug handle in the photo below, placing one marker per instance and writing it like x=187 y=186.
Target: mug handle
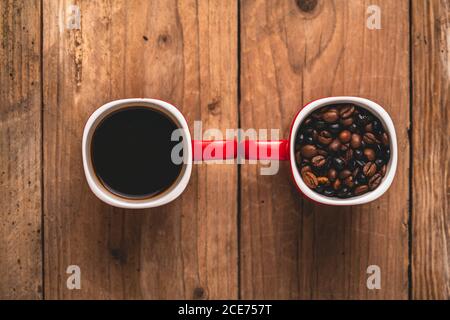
x=266 y=149
x=214 y=149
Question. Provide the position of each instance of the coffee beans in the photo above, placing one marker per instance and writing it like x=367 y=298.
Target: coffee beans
x=318 y=161
x=370 y=154
x=308 y=151
x=342 y=151
x=370 y=169
x=310 y=179
x=361 y=190
x=355 y=141
x=330 y=115
x=370 y=138
x=375 y=181
x=345 y=136
x=325 y=137
x=334 y=146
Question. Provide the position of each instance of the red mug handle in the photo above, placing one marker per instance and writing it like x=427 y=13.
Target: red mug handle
x=266 y=149
x=253 y=149
x=214 y=149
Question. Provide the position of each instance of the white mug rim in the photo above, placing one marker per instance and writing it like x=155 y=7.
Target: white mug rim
x=129 y=203
x=378 y=111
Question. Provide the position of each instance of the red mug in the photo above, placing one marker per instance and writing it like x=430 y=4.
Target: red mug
x=193 y=150
x=285 y=150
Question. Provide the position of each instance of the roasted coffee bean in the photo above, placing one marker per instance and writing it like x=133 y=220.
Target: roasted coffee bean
x=347 y=111
x=318 y=161
x=323 y=180
x=330 y=116
x=361 y=190
x=344 y=174
x=355 y=141
x=345 y=136
x=310 y=179
x=305 y=169
x=348 y=155
x=334 y=146
x=375 y=181
x=370 y=169
x=334 y=128
x=370 y=154
x=309 y=151
x=349 y=182
x=342 y=151
x=370 y=138
x=338 y=163
x=369 y=127
x=385 y=139
x=332 y=174
x=346 y=122
x=325 y=137
x=337 y=184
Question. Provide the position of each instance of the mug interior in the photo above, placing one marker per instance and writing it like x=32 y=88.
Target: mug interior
x=118 y=200
x=387 y=123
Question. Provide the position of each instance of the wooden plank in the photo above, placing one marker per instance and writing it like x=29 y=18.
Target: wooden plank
x=180 y=51
x=20 y=150
x=431 y=153
x=292 y=53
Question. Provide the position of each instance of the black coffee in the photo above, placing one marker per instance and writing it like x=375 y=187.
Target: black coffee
x=131 y=152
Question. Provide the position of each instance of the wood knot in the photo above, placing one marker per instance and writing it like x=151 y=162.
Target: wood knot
x=199 y=293
x=118 y=255
x=307 y=5
x=214 y=106
x=163 y=39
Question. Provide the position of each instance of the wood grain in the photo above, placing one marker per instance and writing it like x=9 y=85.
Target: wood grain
x=20 y=150
x=180 y=51
x=431 y=153
x=294 y=52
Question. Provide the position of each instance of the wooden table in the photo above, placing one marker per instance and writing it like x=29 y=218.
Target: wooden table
x=234 y=233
